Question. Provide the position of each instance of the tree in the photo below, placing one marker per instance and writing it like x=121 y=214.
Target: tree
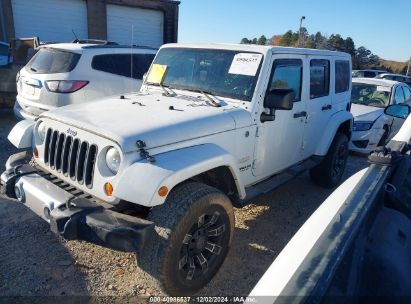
x=254 y=41
x=275 y=40
x=336 y=43
x=364 y=58
x=286 y=39
x=349 y=46
x=245 y=41
x=262 y=40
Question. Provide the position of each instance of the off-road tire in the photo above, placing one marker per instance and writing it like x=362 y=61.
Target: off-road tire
x=325 y=174
x=173 y=220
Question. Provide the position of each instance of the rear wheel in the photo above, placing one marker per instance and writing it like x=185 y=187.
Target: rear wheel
x=193 y=233
x=331 y=169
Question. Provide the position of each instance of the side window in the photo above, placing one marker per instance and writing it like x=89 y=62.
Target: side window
x=407 y=95
x=120 y=64
x=369 y=74
x=319 y=78
x=399 y=96
x=342 y=76
x=4 y=50
x=287 y=74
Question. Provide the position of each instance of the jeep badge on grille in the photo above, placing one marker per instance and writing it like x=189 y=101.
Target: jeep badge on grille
x=71 y=132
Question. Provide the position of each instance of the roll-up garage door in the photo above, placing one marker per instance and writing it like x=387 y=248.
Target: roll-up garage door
x=148 y=25
x=50 y=20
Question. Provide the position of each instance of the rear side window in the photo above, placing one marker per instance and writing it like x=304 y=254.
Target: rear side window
x=342 y=76
x=120 y=64
x=50 y=61
x=369 y=74
x=287 y=74
x=319 y=78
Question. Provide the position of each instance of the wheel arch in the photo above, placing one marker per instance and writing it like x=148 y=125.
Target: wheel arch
x=341 y=122
x=206 y=163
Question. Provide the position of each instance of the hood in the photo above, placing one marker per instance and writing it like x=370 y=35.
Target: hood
x=156 y=119
x=365 y=113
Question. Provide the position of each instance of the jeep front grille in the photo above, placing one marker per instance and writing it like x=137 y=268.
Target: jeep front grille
x=71 y=156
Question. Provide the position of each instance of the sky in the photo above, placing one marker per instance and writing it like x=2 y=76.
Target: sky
x=382 y=26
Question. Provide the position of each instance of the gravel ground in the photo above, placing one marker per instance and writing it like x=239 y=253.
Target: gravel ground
x=33 y=261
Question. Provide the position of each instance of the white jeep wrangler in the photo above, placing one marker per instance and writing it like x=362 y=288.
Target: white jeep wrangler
x=157 y=172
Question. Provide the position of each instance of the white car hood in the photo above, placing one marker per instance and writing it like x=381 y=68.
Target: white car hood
x=148 y=117
x=365 y=113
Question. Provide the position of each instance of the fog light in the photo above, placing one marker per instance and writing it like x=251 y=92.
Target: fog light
x=108 y=188
x=19 y=192
x=46 y=212
x=163 y=191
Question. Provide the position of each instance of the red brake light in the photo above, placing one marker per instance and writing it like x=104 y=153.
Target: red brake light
x=65 y=86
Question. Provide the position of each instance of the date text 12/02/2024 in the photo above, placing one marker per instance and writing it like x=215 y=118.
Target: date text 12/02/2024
x=201 y=299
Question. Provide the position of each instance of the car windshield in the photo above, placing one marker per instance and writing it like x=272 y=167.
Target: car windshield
x=49 y=61
x=225 y=73
x=370 y=95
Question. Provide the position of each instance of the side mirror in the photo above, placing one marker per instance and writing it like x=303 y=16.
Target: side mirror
x=280 y=99
x=277 y=99
x=398 y=110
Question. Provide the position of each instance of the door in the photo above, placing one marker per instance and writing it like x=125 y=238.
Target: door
x=146 y=25
x=319 y=105
x=399 y=97
x=50 y=20
x=279 y=141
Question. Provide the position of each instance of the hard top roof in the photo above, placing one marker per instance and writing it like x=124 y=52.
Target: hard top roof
x=264 y=49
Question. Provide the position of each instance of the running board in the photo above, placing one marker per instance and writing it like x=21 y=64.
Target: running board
x=279 y=179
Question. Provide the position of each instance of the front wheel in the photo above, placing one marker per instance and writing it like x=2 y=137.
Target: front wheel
x=193 y=233
x=331 y=169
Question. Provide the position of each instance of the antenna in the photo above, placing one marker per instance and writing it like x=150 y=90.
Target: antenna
x=74 y=34
x=131 y=61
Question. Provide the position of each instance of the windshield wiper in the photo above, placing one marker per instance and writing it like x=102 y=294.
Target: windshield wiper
x=212 y=102
x=170 y=93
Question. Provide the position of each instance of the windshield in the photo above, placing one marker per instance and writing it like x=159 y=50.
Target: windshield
x=370 y=95
x=231 y=74
x=49 y=61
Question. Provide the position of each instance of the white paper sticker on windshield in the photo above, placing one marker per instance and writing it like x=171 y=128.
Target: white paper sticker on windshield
x=245 y=64
x=383 y=89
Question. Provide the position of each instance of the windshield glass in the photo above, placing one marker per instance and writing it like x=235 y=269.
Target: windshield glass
x=49 y=61
x=370 y=95
x=231 y=74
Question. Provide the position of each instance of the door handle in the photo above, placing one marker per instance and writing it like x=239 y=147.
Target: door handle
x=326 y=107
x=300 y=114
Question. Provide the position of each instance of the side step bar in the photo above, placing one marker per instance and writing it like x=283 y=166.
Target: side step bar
x=279 y=179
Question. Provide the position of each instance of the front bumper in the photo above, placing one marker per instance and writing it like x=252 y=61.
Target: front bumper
x=373 y=137
x=74 y=218
x=21 y=114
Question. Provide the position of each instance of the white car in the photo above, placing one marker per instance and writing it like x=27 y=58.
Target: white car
x=369 y=97
x=395 y=77
x=367 y=73
x=72 y=73
x=356 y=246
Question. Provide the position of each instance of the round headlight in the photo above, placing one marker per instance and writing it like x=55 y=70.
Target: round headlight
x=41 y=131
x=113 y=159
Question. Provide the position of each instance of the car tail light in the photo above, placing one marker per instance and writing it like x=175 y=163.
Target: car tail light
x=65 y=86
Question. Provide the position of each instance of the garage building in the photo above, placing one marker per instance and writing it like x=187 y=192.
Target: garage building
x=141 y=22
